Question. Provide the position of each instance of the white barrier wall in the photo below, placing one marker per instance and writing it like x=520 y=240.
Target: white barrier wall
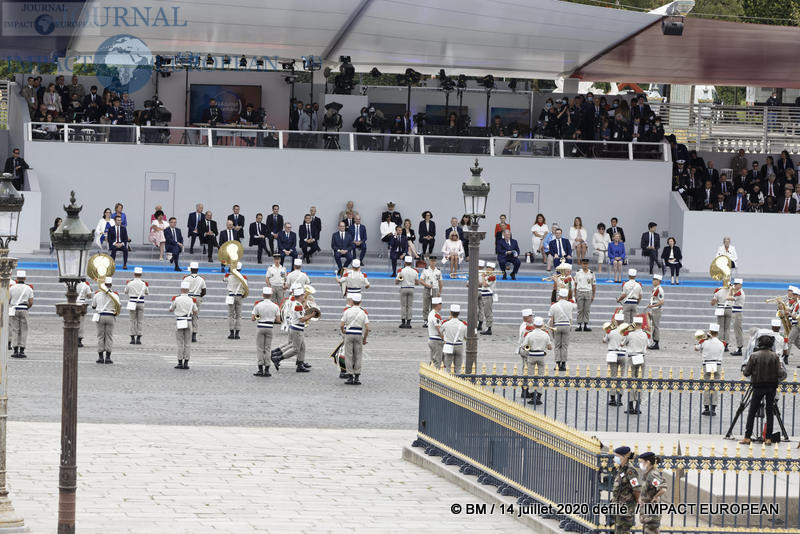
x=103 y=174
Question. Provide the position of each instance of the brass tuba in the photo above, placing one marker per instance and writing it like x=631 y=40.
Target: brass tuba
x=626 y=328
x=309 y=304
x=231 y=252
x=720 y=269
x=100 y=267
x=783 y=312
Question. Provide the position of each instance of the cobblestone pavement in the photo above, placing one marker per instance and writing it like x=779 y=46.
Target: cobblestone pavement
x=219 y=389
x=152 y=479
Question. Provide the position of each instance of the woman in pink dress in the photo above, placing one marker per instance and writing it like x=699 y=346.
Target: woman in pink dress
x=453 y=253
x=157 y=232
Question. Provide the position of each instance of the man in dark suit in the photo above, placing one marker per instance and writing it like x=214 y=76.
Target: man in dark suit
x=561 y=250
x=454 y=227
x=650 y=244
x=398 y=248
x=238 y=222
x=174 y=242
x=754 y=175
x=62 y=90
x=208 y=234
x=772 y=187
x=287 y=243
x=788 y=204
x=212 y=114
x=193 y=227
x=742 y=180
x=316 y=222
x=342 y=246
x=92 y=98
x=118 y=241
x=613 y=228
x=724 y=186
x=738 y=202
x=309 y=237
x=258 y=235
x=426 y=233
x=712 y=173
x=274 y=226
x=641 y=110
x=705 y=197
x=228 y=234
x=720 y=204
x=507 y=251
x=16 y=167
x=396 y=217
x=359 y=235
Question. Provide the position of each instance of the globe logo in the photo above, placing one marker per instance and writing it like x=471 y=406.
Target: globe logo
x=44 y=24
x=123 y=63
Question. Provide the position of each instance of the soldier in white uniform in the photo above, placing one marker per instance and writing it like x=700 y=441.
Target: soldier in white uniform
x=20 y=301
x=616 y=356
x=234 y=302
x=655 y=306
x=560 y=319
x=453 y=332
x=353 y=280
x=794 y=314
x=781 y=346
x=711 y=350
x=723 y=300
x=276 y=279
x=525 y=327
x=487 y=290
x=637 y=342
x=297 y=276
x=355 y=328
x=183 y=306
x=431 y=280
x=197 y=290
x=736 y=313
x=631 y=296
x=296 y=317
x=585 y=289
x=84 y=297
x=106 y=317
x=537 y=342
x=265 y=314
x=434 y=324
x=136 y=290
x=407 y=278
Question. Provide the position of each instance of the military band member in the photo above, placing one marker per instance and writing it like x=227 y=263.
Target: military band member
x=197 y=290
x=781 y=346
x=453 y=332
x=585 y=289
x=636 y=342
x=794 y=314
x=653 y=487
x=297 y=276
x=265 y=314
x=524 y=328
x=296 y=317
x=355 y=328
x=183 y=306
x=655 y=306
x=736 y=313
x=354 y=280
x=431 y=280
x=631 y=296
x=625 y=491
x=84 y=297
x=407 y=278
x=234 y=302
x=723 y=300
x=711 y=350
x=106 y=317
x=487 y=290
x=20 y=301
x=538 y=342
x=276 y=279
x=136 y=290
x=616 y=355
x=434 y=325
x=560 y=319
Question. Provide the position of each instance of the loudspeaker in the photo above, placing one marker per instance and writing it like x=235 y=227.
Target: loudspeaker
x=671 y=27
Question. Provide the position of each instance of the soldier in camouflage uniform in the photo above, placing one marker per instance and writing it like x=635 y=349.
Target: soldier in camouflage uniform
x=653 y=487
x=625 y=492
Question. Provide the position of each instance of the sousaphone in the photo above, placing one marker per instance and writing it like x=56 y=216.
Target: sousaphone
x=720 y=269
x=100 y=267
x=231 y=253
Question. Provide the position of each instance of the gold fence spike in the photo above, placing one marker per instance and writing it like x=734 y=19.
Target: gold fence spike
x=794 y=379
x=494 y=368
x=788 y=450
x=577 y=370
x=661 y=450
x=675 y=448
x=670 y=373
x=650 y=372
x=463 y=368
x=691 y=373
x=738 y=451
x=775 y=451
x=763 y=450
x=515 y=370
x=636 y=449
x=660 y=372
x=483 y=369
x=453 y=368
x=680 y=373
x=474 y=367
x=525 y=369
x=630 y=371
x=588 y=371
x=598 y=371
x=722 y=374
x=712 y=452
x=505 y=369
x=750 y=453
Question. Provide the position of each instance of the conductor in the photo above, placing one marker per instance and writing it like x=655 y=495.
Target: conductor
x=765 y=371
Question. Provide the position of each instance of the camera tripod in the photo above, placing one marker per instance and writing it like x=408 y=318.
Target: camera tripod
x=746 y=399
x=332 y=140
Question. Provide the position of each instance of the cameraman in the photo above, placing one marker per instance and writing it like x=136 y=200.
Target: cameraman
x=375 y=121
x=332 y=121
x=765 y=371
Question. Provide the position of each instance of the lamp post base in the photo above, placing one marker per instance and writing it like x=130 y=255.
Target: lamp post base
x=10 y=520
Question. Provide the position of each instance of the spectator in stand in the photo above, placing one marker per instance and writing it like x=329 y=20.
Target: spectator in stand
x=739 y=163
x=427 y=233
x=770 y=206
x=464 y=225
x=53 y=228
x=507 y=250
x=29 y=94
x=754 y=175
x=712 y=173
x=52 y=100
x=128 y=106
x=497 y=129
x=118 y=240
x=411 y=237
x=705 y=197
x=577 y=239
x=672 y=258
x=788 y=204
x=616 y=256
x=92 y=98
x=74 y=112
x=650 y=244
x=696 y=161
x=755 y=199
x=738 y=202
x=118 y=211
x=348 y=207
x=500 y=226
x=101 y=229
x=453 y=252
x=772 y=188
x=16 y=167
x=538 y=232
x=156 y=209
x=741 y=180
x=790 y=177
x=76 y=88
x=613 y=228
x=773 y=99
x=784 y=163
x=61 y=89
x=156 y=237
x=726 y=249
x=40 y=89
x=769 y=169
x=724 y=186
x=600 y=241
x=719 y=204
x=387 y=230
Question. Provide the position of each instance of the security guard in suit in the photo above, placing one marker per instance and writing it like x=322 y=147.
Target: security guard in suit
x=197 y=290
x=105 y=317
x=136 y=290
x=20 y=301
x=265 y=314
x=407 y=278
x=183 y=306
x=234 y=302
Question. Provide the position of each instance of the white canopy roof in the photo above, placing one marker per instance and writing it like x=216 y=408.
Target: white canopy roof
x=521 y=38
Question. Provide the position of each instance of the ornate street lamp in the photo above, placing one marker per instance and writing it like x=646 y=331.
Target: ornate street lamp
x=71 y=241
x=476 y=192
x=11 y=202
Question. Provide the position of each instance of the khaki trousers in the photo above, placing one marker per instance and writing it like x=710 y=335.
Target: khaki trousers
x=456 y=358
x=724 y=322
x=584 y=301
x=353 y=351
x=794 y=338
x=536 y=367
x=656 y=316
x=561 y=342
x=196 y=314
x=277 y=294
x=435 y=346
x=263 y=345
x=19 y=328
x=235 y=313
x=297 y=342
x=629 y=310
x=105 y=333
x=738 y=333
x=406 y=303
x=485 y=312
x=710 y=396
x=637 y=371
x=137 y=318
x=184 y=339
x=427 y=295
x=617 y=370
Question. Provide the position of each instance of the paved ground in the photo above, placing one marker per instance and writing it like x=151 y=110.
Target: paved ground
x=190 y=480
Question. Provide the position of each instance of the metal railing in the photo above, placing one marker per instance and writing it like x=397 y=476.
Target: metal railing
x=236 y=136
x=669 y=402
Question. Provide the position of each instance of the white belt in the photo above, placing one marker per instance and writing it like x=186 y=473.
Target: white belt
x=182 y=317
x=355 y=330
x=299 y=328
x=537 y=353
x=561 y=324
x=723 y=306
x=737 y=309
x=354 y=290
x=434 y=338
x=265 y=324
x=194 y=294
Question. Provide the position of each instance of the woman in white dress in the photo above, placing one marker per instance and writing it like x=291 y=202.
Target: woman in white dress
x=387 y=229
x=157 y=227
x=726 y=249
x=101 y=230
x=600 y=241
x=577 y=239
x=453 y=252
x=538 y=231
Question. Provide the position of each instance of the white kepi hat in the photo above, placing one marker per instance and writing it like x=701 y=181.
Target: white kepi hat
x=137 y=270
x=527 y=312
x=356 y=263
x=638 y=320
x=775 y=322
x=713 y=327
x=563 y=292
x=436 y=300
x=266 y=290
x=538 y=321
x=21 y=273
x=298 y=261
x=194 y=265
x=185 y=284
x=631 y=272
x=455 y=308
x=408 y=259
